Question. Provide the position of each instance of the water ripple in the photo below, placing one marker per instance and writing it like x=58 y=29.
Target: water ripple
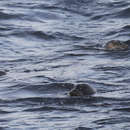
x=49 y=46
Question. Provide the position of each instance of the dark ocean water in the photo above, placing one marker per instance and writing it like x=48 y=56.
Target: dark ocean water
x=47 y=46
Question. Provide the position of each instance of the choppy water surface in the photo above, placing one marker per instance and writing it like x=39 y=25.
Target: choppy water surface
x=47 y=46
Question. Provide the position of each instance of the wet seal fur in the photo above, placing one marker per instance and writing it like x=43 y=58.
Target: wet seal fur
x=116 y=45
x=82 y=90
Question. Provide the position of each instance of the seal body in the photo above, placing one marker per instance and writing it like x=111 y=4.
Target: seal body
x=82 y=90
x=116 y=45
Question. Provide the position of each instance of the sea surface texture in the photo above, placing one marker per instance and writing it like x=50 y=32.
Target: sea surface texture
x=49 y=46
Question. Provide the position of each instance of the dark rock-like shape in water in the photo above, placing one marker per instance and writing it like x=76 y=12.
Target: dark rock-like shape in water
x=2 y=73
x=116 y=45
x=82 y=90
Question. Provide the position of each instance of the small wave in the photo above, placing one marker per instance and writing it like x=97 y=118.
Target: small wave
x=55 y=108
x=37 y=34
x=116 y=4
x=64 y=36
x=112 y=120
x=88 y=46
x=126 y=27
x=21 y=5
x=124 y=109
x=46 y=35
x=51 y=85
x=84 y=128
x=67 y=100
x=125 y=13
x=41 y=34
x=6 y=16
x=56 y=101
x=101 y=16
x=4 y=112
x=5 y=28
x=72 y=54
x=111 y=68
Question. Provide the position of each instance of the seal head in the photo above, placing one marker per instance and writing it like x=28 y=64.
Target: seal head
x=82 y=90
x=116 y=45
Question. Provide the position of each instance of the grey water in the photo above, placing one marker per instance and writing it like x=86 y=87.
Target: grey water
x=48 y=46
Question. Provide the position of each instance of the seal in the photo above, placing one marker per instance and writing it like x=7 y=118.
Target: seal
x=82 y=90
x=116 y=45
